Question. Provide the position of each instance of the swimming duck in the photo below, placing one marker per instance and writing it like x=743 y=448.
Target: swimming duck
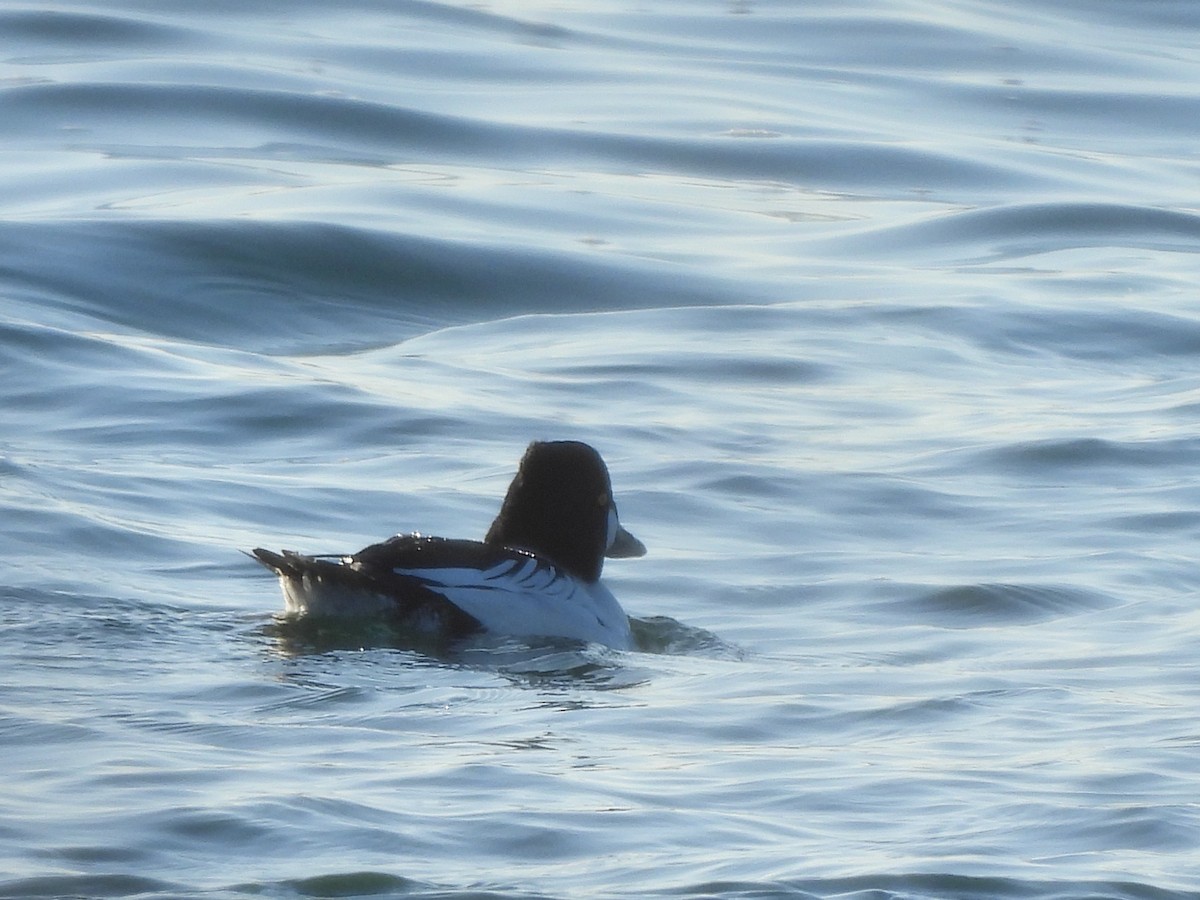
x=535 y=573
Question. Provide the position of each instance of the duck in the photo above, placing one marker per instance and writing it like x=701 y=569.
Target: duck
x=535 y=574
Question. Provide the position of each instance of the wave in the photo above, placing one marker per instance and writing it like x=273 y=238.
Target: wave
x=932 y=886
x=1085 y=455
x=231 y=121
x=375 y=883
x=1019 y=230
x=973 y=605
x=288 y=287
x=42 y=32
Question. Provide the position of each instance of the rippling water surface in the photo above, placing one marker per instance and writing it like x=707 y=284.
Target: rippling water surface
x=884 y=315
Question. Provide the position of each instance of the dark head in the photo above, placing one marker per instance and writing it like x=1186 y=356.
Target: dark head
x=560 y=506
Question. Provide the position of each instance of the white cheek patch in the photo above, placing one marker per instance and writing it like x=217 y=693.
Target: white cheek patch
x=613 y=527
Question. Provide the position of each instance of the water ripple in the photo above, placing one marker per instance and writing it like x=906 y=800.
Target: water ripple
x=1005 y=604
x=1016 y=231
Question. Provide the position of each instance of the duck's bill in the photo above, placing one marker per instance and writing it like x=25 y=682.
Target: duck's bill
x=624 y=545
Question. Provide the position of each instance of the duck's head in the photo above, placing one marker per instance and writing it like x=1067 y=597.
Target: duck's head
x=560 y=506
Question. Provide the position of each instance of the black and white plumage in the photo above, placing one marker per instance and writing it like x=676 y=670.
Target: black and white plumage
x=535 y=573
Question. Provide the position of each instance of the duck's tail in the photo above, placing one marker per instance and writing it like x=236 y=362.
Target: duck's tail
x=288 y=562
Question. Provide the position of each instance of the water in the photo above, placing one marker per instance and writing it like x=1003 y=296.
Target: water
x=883 y=314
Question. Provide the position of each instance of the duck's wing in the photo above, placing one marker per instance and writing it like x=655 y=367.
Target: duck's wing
x=481 y=575
x=423 y=552
x=343 y=587
x=506 y=590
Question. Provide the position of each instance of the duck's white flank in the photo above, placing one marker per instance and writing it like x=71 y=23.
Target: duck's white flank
x=527 y=597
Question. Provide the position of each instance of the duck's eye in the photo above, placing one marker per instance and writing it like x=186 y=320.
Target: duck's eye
x=602 y=500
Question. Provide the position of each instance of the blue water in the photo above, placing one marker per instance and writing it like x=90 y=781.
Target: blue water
x=884 y=315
